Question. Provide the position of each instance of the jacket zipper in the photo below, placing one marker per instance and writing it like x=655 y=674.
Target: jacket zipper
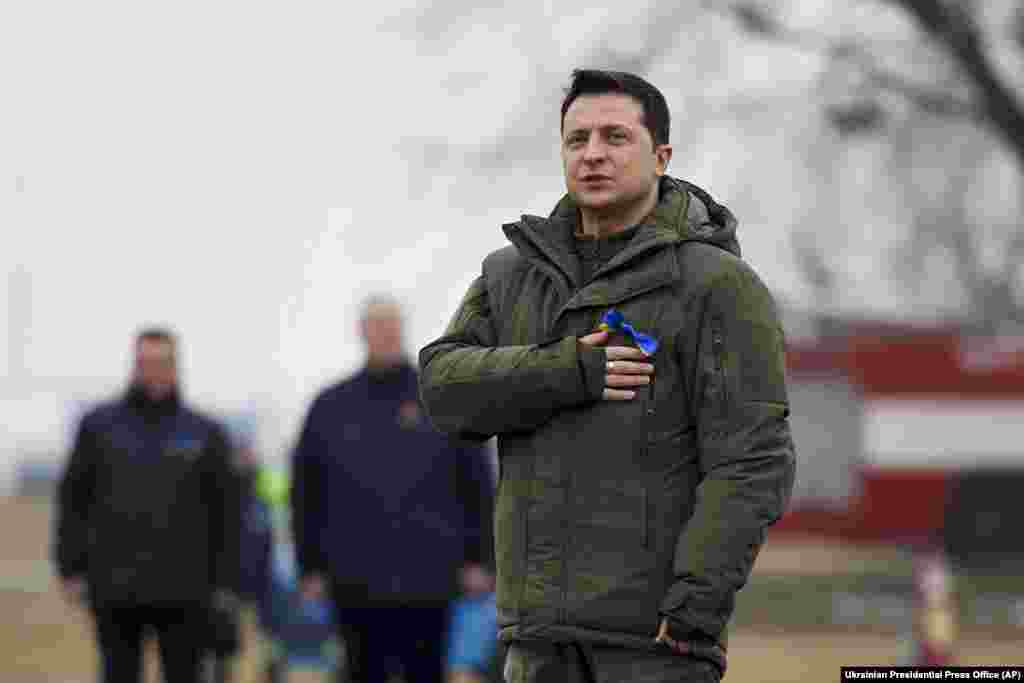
x=648 y=421
x=563 y=616
x=563 y=609
x=649 y=398
x=718 y=349
x=643 y=517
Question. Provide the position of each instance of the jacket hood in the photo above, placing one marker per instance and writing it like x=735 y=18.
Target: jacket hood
x=684 y=213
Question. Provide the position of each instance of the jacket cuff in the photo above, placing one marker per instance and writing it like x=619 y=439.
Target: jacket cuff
x=226 y=599
x=66 y=573
x=227 y=584
x=699 y=615
x=67 y=568
x=593 y=363
x=698 y=644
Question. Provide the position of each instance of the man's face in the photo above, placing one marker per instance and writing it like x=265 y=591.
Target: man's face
x=382 y=332
x=608 y=155
x=156 y=369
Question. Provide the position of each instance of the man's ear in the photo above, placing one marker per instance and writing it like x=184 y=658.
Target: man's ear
x=664 y=155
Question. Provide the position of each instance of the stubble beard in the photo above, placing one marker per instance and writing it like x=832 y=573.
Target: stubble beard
x=615 y=206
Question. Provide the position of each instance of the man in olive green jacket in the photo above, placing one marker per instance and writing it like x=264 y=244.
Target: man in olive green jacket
x=640 y=465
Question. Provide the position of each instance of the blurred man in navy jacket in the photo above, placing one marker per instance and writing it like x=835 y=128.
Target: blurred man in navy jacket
x=148 y=520
x=391 y=519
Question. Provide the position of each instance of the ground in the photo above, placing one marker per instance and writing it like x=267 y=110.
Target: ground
x=44 y=641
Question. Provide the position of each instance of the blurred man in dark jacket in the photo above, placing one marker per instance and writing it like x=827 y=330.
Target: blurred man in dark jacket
x=148 y=518
x=389 y=516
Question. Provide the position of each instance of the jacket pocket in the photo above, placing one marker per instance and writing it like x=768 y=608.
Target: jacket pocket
x=670 y=484
x=614 y=517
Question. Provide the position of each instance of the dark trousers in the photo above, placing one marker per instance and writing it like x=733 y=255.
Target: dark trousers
x=387 y=639
x=543 y=662
x=121 y=632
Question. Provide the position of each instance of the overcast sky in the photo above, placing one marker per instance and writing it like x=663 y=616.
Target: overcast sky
x=246 y=171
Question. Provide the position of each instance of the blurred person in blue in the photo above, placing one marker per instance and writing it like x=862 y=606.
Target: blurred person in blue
x=256 y=548
x=147 y=523
x=299 y=633
x=473 y=653
x=391 y=519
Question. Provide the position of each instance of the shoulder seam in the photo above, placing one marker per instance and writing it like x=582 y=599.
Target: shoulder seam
x=502 y=262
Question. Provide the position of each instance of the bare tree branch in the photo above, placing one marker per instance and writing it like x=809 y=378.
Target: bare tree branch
x=1014 y=257
x=954 y=27
x=925 y=97
x=1016 y=32
x=662 y=28
x=942 y=222
x=810 y=259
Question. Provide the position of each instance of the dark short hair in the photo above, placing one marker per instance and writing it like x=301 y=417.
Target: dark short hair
x=599 y=82
x=157 y=334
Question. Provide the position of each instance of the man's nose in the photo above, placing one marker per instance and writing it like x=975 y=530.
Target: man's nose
x=595 y=150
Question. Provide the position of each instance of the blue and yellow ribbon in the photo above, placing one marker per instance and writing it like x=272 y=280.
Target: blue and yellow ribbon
x=613 y=320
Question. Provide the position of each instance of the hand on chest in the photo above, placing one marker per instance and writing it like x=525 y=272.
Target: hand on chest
x=635 y=323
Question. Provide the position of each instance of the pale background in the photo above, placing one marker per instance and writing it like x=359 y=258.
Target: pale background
x=245 y=172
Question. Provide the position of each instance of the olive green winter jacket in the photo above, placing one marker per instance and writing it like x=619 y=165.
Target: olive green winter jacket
x=613 y=514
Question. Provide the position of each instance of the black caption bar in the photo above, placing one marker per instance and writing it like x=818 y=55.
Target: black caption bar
x=932 y=673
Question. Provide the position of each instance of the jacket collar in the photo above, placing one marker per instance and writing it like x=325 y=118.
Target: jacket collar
x=547 y=242
x=398 y=375
x=136 y=398
x=642 y=266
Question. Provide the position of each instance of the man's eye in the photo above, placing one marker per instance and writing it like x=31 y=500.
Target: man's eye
x=617 y=136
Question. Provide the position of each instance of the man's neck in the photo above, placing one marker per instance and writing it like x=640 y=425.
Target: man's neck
x=604 y=223
x=385 y=367
x=153 y=404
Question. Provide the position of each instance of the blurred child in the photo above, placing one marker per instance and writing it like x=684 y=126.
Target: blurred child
x=298 y=633
x=473 y=640
x=255 y=552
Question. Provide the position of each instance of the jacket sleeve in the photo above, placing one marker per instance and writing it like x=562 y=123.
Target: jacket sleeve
x=475 y=488
x=475 y=388
x=224 y=495
x=307 y=497
x=746 y=455
x=76 y=494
